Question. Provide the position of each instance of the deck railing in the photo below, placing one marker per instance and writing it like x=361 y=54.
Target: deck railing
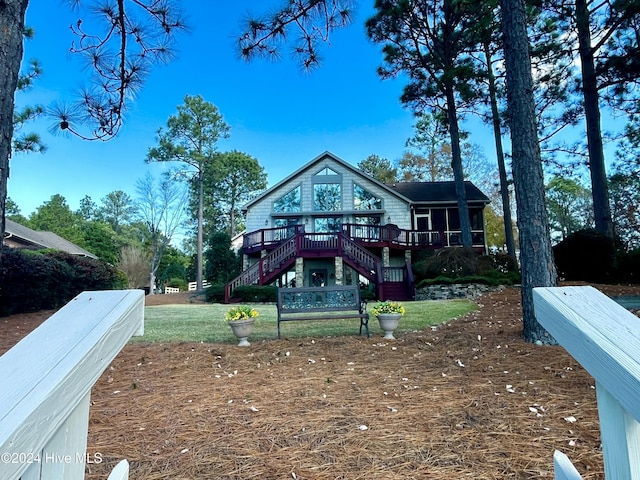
x=361 y=256
x=605 y=338
x=393 y=235
x=264 y=268
x=372 y=235
x=270 y=236
x=46 y=384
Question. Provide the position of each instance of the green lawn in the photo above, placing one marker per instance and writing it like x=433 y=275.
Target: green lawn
x=204 y=323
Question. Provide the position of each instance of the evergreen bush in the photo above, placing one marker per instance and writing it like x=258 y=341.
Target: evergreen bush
x=452 y=262
x=180 y=283
x=586 y=255
x=32 y=281
x=214 y=294
x=255 y=293
x=628 y=266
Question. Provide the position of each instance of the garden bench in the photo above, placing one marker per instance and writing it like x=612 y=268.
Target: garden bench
x=333 y=302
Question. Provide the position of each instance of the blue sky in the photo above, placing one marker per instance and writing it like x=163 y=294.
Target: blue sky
x=278 y=114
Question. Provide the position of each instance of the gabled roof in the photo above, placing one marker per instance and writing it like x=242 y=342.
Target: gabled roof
x=410 y=192
x=438 y=192
x=317 y=160
x=29 y=237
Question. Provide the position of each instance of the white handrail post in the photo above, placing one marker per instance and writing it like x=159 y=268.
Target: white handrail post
x=120 y=471
x=605 y=338
x=47 y=379
x=620 y=434
x=63 y=456
x=564 y=469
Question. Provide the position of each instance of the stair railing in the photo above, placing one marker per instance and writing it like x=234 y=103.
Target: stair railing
x=264 y=268
x=359 y=255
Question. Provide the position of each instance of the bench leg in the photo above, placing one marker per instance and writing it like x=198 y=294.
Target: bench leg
x=364 y=322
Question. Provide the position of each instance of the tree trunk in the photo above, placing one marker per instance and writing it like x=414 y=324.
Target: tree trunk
x=504 y=182
x=232 y=214
x=152 y=283
x=200 y=266
x=538 y=269
x=11 y=49
x=456 y=165
x=599 y=187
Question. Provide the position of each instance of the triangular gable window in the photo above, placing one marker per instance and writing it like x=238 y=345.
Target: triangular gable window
x=365 y=200
x=289 y=202
x=326 y=171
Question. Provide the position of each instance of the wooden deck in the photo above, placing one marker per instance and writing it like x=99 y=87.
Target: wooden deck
x=376 y=236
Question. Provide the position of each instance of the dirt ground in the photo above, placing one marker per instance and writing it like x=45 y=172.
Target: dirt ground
x=469 y=399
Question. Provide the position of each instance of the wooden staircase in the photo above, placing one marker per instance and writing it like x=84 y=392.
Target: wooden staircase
x=267 y=268
x=392 y=283
x=397 y=283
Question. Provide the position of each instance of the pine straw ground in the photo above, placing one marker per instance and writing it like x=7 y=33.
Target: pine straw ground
x=466 y=400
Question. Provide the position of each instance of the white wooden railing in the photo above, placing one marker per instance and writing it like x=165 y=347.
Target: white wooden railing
x=46 y=382
x=168 y=290
x=194 y=285
x=605 y=338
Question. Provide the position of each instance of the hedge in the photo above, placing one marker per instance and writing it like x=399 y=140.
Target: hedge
x=43 y=280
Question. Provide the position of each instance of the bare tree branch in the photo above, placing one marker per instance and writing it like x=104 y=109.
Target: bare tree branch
x=312 y=20
x=119 y=56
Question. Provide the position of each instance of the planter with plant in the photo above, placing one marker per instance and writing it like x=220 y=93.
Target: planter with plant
x=389 y=314
x=241 y=320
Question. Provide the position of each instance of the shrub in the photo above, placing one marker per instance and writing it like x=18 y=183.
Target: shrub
x=31 y=281
x=628 y=270
x=180 y=283
x=214 y=294
x=504 y=263
x=367 y=294
x=586 y=255
x=452 y=262
x=255 y=293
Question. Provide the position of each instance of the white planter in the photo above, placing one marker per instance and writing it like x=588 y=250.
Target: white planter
x=388 y=323
x=242 y=329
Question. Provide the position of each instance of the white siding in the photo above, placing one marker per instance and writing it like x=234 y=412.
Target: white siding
x=393 y=206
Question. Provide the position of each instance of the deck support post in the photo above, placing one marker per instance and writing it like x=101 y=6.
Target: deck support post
x=299 y=272
x=339 y=271
x=385 y=257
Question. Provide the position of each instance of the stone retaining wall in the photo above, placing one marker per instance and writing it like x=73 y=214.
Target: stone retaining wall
x=456 y=290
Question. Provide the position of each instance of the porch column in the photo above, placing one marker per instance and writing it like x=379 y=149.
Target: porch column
x=385 y=257
x=407 y=256
x=245 y=261
x=299 y=272
x=339 y=272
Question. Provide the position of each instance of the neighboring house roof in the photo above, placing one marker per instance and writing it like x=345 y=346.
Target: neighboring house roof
x=438 y=192
x=236 y=242
x=20 y=235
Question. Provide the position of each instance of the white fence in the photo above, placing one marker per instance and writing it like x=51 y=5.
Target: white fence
x=194 y=285
x=46 y=385
x=168 y=290
x=605 y=338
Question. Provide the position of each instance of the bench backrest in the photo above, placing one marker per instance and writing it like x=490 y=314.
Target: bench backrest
x=331 y=298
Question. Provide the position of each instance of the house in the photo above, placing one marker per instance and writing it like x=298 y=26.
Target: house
x=330 y=223
x=19 y=236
